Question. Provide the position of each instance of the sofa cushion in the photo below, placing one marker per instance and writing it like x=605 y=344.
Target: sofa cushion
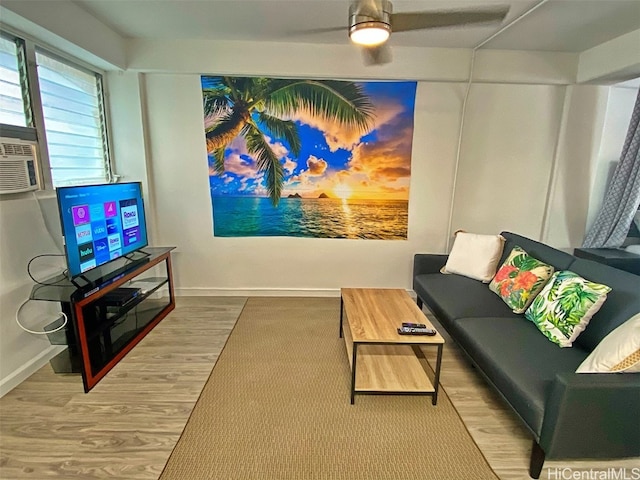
x=623 y=301
x=454 y=296
x=563 y=308
x=559 y=259
x=474 y=256
x=618 y=352
x=520 y=278
x=520 y=362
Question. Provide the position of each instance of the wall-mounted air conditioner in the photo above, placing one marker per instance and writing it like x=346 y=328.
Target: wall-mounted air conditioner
x=18 y=169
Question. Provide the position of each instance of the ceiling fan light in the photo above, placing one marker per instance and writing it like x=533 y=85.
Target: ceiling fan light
x=370 y=33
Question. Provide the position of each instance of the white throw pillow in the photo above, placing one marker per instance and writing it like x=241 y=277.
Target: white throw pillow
x=617 y=352
x=475 y=256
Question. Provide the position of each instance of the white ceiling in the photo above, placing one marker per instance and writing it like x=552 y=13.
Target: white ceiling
x=557 y=25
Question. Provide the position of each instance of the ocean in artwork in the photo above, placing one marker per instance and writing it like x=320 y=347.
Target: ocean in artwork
x=311 y=217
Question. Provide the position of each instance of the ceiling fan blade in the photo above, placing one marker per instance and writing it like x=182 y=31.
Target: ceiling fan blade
x=379 y=55
x=403 y=22
x=313 y=31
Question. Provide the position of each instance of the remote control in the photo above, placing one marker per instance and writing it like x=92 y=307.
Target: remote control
x=414 y=325
x=416 y=331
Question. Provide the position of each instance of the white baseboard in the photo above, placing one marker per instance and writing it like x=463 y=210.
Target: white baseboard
x=262 y=292
x=18 y=376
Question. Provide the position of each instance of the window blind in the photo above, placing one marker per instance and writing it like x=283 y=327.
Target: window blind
x=11 y=103
x=71 y=105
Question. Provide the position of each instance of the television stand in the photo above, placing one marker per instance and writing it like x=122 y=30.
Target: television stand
x=108 y=317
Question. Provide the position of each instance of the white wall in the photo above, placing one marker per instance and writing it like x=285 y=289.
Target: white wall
x=208 y=264
x=66 y=27
x=23 y=235
x=575 y=165
x=508 y=145
x=611 y=62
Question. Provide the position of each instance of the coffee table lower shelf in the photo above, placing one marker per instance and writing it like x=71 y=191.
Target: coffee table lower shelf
x=389 y=369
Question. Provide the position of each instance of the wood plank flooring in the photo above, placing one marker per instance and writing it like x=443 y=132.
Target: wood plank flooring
x=127 y=426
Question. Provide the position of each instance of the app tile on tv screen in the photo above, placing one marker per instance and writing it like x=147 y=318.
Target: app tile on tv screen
x=99 y=229
x=112 y=226
x=83 y=234
x=87 y=265
x=96 y=211
x=131 y=235
x=86 y=252
x=80 y=214
x=129 y=216
x=114 y=242
x=110 y=209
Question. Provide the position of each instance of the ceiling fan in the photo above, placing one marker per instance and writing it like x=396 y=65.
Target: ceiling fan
x=371 y=23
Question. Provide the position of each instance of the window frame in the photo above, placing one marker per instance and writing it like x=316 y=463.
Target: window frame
x=35 y=129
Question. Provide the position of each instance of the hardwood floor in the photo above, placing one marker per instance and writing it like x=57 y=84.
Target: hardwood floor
x=126 y=427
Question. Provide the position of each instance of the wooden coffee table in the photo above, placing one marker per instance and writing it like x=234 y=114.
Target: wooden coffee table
x=387 y=362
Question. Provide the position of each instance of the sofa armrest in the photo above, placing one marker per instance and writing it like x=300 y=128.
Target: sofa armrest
x=428 y=263
x=592 y=416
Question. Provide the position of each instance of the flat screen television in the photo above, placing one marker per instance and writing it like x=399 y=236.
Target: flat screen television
x=101 y=223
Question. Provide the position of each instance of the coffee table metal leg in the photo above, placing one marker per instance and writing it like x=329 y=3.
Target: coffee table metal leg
x=436 y=380
x=341 y=314
x=353 y=372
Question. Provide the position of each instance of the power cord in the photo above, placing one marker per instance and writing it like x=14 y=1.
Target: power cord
x=62 y=314
x=53 y=284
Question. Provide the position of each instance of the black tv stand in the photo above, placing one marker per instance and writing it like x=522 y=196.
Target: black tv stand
x=110 y=314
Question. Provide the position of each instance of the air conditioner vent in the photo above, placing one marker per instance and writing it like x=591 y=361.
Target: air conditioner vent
x=18 y=172
x=17 y=149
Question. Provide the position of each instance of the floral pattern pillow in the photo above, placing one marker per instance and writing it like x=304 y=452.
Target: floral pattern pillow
x=565 y=306
x=520 y=279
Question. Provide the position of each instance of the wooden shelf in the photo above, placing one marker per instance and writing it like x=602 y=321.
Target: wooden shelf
x=387 y=368
x=390 y=368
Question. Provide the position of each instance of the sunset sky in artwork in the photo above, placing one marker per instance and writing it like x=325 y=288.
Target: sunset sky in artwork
x=334 y=161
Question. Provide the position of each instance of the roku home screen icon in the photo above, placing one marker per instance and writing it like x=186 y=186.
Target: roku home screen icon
x=129 y=213
x=80 y=214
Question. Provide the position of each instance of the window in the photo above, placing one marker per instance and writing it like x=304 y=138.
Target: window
x=71 y=108
x=11 y=104
x=68 y=112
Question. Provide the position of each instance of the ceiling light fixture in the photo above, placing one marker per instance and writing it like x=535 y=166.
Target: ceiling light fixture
x=370 y=33
x=369 y=27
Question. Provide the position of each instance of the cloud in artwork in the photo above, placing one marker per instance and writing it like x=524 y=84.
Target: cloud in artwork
x=338 y=136
x=289 y=165
x=316 y=166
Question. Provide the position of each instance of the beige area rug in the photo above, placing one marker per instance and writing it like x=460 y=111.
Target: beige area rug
x=276 y=407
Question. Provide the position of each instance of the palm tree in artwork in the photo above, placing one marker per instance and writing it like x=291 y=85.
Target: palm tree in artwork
x=253 y=107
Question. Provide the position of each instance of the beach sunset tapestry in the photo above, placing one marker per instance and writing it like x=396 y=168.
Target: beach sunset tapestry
x=308 y=158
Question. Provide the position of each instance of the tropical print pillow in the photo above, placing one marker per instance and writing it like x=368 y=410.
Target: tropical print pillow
x=565 y=306
x=519 y=279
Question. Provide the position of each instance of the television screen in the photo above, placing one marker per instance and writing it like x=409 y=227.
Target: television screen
x=101 y=223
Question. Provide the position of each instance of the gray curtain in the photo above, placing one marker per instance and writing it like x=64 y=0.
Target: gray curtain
x=623 y=195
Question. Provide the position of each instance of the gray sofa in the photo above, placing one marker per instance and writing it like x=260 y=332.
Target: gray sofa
x=570 y=415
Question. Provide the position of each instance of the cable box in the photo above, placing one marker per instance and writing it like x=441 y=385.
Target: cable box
x=120 y=296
